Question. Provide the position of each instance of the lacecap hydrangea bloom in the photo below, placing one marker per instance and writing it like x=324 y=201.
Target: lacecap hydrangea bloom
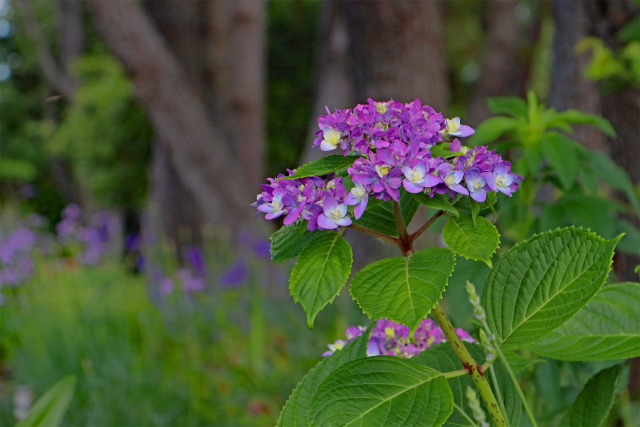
x=389 y=338
x=394 y=148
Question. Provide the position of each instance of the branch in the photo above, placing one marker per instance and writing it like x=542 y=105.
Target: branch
x=424 y=228
x=53 y=72
x=377 y=234
x=207 y=166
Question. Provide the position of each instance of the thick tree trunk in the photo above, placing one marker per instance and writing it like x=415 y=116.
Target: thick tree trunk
x=569 y=88
x=196 y=147
x=235 y=47
x=505 y=65
x=622 y=109
x=397 y=51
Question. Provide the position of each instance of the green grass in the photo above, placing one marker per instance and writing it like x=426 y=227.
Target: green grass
x=226 y=358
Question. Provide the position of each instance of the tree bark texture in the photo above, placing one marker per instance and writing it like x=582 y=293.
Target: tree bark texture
x=569 y=88
x=622 y=109
x=396 y=51
x=197 y=148
x=506 y=60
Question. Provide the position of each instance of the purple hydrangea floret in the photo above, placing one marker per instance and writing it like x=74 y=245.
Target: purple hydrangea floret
x=389 y=338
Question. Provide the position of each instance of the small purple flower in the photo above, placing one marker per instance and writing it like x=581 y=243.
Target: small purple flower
x=476 y=185
x=277 y=206
x=417 y=179
x=358 y=197
x=454 y=128
x=500 y=179
x=452 y=180
x=334 y=215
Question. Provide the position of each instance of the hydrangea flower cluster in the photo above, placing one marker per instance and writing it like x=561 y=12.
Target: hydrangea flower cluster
x=389 y=338
x=394 y=142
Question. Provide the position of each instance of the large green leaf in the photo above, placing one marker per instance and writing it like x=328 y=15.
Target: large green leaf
x=322 y=166
x=288 y=242
x=382 y=391
x=320 y=273
x=562 y=157
x=49 y=410
x=575 y=116
x=608 y=327
x=440 y=202
x=403 y=289
x=294 y=413
x=631 y=240
x=477 y=242
x=541 y=283
x=442 y=358
x=508 y=106
x=492 y=128
x=381 y=218
x=609 y=172
x=593 y=404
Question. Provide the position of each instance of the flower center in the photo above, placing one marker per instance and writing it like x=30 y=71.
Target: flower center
x=382 y=170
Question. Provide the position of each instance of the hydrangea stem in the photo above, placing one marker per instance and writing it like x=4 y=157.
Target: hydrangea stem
x=472 y=367
x=468 y=362
x=405 y=240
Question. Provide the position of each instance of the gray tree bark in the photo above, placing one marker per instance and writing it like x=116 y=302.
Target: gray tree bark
x=196 y=147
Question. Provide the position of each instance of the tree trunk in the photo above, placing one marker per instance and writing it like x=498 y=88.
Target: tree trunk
x=196 y=147
x=622 y=109
x=505 y=65
x=569 y=88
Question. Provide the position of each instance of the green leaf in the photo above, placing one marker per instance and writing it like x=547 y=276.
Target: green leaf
x=442 y=358
x=508 y=392
x=17 y=170
x=477 y=242
x=322 y=166
x=294 y=413
x=49 y=410
x=593 y=404
x=442 y=150
x=614 y=175
x=631 y=240
x=519 y=363
x=575 y=116
x=607 y=328
x=508 y=106
x=382 y=391
x=288 y=242
x=492 y=128
x=440 y=202
x=403 y=289
x=541 y=283
x=380 y=217
x=320 y=273
x=562 y=157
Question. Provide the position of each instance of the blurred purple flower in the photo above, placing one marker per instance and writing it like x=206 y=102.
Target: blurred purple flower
x=190 y=282
x=235 y=275
x=195 y=258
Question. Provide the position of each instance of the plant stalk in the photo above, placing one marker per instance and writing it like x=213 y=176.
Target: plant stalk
x=405 y=240
x=470 y=365
x=393 y=240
